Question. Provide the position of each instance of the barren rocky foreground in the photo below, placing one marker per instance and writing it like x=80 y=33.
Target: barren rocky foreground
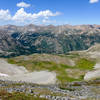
x=71 y=91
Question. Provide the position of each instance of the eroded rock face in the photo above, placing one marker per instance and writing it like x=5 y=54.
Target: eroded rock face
x=19 y=40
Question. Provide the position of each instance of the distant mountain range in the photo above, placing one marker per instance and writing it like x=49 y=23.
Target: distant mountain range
x=23 y=40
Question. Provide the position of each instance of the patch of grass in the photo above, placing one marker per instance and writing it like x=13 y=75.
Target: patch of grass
x=64 y=78
x=12 y=61
x=85 y=64
x=65 y=66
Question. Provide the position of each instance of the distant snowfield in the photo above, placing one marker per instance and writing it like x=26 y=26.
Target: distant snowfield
x=94 y=53
x=93 y=74
x=3 y=75
x=42 y=77
x=97 y=66
x=19 y=73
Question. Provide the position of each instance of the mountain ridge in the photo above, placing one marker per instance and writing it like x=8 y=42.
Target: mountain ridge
x=28 y=39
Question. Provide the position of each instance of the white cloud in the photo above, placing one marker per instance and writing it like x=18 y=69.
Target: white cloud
x=21 y=17
x=94 y=1
x=45 y=14
x=5 y=15
x=23 y=5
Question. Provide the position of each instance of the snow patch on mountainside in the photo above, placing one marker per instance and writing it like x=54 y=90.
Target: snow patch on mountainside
x=19 y=73
x=3 y=75
x=93 y=74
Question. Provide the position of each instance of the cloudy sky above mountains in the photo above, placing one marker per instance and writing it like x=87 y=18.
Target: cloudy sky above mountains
x=21 y=12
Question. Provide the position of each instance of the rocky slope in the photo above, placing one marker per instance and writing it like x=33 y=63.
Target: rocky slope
x=19 y=40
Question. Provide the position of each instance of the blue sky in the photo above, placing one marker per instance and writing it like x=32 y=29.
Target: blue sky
x=21 y=12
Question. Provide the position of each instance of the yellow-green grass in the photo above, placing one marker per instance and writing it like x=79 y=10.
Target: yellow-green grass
x=85 y=64
x=18 y=96
x=82 y=65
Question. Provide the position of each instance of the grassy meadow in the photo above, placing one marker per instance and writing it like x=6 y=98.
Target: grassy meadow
x=60 y=64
